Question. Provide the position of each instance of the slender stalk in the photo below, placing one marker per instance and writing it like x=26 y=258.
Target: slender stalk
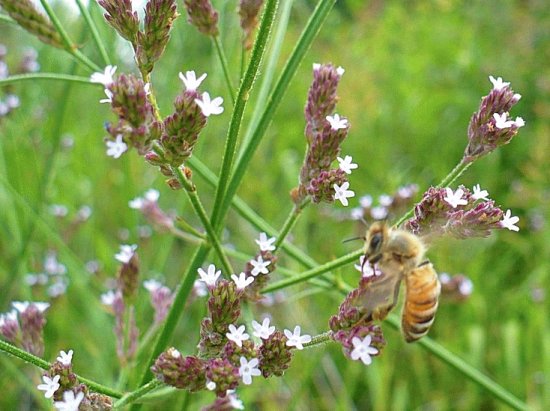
x=466 y=369
x=242 y=98
x=45 y=365
x=176 y=310
x=319 y=339
x=289 y=223
x=314 y=272
x=151 y=96
x=191 y=191
x=134 y=395
x=450 y=178
x=313 y=26
x=223 y=60
x=93 y=29
x=269 y=71
x=17 y=78
x=69 y=45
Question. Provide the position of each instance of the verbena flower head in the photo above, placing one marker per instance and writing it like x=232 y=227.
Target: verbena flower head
x=222 y=375
x=127 y=276
x=151 y=42
x=203 y=16
x=361 y=342
x=120 y=15
x=28 y=331
x=259 y=268
x=263 y=330
x=275 y=354
x=161 y=299
x=456 y=288
x=324 y=132
x=459 y=214
x=490 y=126
x=136 y=123
x=181 y=372
x=387 y=206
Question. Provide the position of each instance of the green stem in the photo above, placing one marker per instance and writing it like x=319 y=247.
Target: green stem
x=242 y=98
x=151 y=96
x=176 y=310
x=223 y=60
x=7 y=19
x=191 y=191
x=95 y=34
x=466 y=369
x=319 y=339
x=270 y=67
x=289 y=223
x=69 y=45
x=308 y=35
x=45 y=76
x=134 y=395
x=314 y=272
x=39 y=362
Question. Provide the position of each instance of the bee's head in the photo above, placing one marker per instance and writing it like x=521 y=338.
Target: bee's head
x=376 y=237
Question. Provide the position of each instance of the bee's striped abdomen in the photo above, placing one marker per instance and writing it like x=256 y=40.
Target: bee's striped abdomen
x=421 y=299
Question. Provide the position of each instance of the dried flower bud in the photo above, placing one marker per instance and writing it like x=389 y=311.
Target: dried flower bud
x=202 y=15
x=28 y=17
x=159 y=17
x=438 y=214
x=181 y=372
x=122 y=18
x=488 y=128
x=275 y=356
x=249 y=10
x=222 y=373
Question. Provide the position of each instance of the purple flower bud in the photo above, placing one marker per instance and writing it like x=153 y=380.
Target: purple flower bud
x=161 y=299
x=181 y=372
x=32 y=326
x=222 y=373
x=122 y=18
x=9 y=327
x=159 y=17
x=202 y=15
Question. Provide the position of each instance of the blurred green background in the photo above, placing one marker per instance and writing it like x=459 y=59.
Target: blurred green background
x=415 y=72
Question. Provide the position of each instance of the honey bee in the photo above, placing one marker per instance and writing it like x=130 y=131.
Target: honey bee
x=399 y=256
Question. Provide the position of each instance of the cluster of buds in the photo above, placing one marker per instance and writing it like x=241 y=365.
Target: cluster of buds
x=490 y=126
x=25 y=13
x=203 y=16
x=53 y=276
x=388 y=206
x=249 y=11
x=238 y=360
x=61 y=384
x=325 y=133
x=149 y=44
x=23 y=326
x=460 y=214
x=121 y=302
x=136 y=127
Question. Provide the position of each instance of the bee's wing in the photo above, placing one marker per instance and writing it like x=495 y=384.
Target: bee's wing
x=380 y=296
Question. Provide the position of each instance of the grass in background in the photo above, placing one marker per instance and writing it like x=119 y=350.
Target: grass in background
x=414 y=75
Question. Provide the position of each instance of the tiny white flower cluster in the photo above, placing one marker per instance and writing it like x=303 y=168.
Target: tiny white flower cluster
x=126 y=253
x=70 y=401
x=249 y=369
x=207 y=105
x=455 y=199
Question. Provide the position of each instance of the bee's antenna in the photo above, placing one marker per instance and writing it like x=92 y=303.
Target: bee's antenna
x=347 y=240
